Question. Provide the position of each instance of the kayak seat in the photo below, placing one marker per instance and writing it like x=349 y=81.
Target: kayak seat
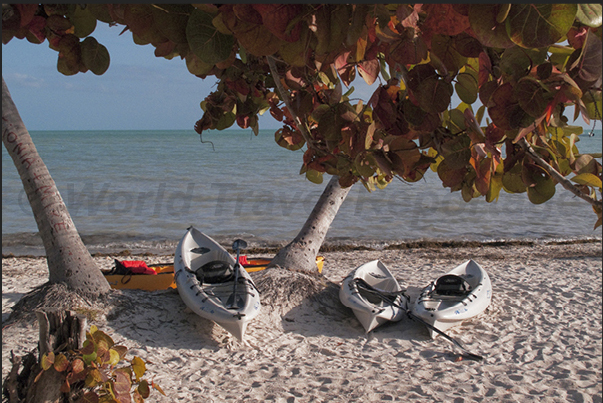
x=451 y=285
x=217 y=271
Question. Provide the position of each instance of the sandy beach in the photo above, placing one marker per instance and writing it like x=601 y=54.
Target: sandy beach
x=541 y=337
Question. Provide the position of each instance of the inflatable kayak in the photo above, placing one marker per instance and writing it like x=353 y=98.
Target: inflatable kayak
x=165 y=275
x=459 y=295
x=374 y=295
x=213 y=285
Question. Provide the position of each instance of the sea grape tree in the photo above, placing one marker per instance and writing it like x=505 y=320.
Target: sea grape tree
x=515 y=68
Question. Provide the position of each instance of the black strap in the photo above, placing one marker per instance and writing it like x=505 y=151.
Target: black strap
x=391 y=296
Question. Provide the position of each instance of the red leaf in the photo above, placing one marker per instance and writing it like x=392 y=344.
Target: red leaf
x=369 y=70
x=444 y=19
x=576 y=36
x=27 y=12
x=485 y=69
x=276 y=17
x=37 y=26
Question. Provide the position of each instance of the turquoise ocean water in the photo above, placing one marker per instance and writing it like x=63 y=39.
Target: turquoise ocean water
x=140 y=190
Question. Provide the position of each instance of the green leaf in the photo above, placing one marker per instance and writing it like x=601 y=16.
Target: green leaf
x=226 y=121
x=489 y=32
x=588 y=179
x=171 y=20
x=196 y=66
x=542 y=191
x=466 y=88
x=512 y=182
x=209 y=44
x=539 y=25
x=83 y=21
x=590 y=14
x=314 y=176
x=95 y=56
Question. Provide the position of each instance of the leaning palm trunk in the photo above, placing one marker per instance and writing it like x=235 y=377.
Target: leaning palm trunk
x=301 y=253
x=68 y=259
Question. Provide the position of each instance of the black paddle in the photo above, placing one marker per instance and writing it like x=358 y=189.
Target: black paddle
x=237 y=245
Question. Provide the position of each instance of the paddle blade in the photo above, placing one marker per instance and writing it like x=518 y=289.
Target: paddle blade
x=239 y=244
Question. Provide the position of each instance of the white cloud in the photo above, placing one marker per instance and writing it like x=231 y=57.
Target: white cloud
x=26 y=80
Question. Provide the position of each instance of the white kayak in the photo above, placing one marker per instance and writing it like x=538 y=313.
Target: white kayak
x=459 y=295
x=373 y=294
x=205 y=279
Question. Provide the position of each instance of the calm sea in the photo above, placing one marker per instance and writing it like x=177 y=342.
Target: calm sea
x=140 y=190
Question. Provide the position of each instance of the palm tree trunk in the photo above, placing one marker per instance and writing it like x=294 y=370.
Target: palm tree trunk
x=300 y=254
x=68 y=259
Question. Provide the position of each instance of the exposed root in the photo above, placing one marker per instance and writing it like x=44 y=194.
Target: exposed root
x=57 y=296
x=283 y=289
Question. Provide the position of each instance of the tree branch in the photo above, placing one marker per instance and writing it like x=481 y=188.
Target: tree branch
x=556 y=175
x=285 y=97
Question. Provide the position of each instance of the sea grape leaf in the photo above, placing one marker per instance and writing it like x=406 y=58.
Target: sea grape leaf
x=121 y=350
x=61 y=363
x=532 y=96
x=95 y=56
x=457 y=152
x=143 y=389
x=590 y=14
x=139 y=17
x=444 y=19
x=505 y=111
x=588 y=64
x=210 y=45
x=466 y=88
x=488 y=31
x=450 y=177
x=196 y=66
x=280 y=19
x=289 y=139
x=259 y=41
x=314 y=176
x=369 y=70
x=123 y=382
x=539 y=25
x=171 y=20
x=434 y=95
x=588 y=179
x=139 y=367
x=84 y=23
x=443 y=47
x=89 y=397
x=47 y=360
x=517 y=62
x=542 y=191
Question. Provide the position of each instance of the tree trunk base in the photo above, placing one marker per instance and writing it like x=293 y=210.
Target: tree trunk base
x=60 y=331
x=282 y=289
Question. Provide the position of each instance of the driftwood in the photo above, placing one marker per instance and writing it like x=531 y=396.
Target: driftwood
x=60 y=330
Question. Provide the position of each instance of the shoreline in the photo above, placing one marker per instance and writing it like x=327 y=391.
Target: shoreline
x=330 y=245
x=540 y=337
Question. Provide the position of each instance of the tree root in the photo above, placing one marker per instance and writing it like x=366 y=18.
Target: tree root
x=284 y=289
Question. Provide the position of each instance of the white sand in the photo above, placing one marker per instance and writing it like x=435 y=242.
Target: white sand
x=541 y=336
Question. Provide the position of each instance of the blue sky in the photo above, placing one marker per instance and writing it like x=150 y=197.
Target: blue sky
x=138 y=92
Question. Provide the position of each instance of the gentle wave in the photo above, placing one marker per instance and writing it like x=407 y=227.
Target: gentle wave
x=141 y=190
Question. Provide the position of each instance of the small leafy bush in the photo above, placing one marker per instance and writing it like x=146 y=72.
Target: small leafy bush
x=92 y=374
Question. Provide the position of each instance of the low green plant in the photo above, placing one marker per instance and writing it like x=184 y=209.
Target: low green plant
x=93 y=374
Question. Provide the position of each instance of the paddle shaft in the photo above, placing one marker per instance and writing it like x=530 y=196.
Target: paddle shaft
x=236 y=279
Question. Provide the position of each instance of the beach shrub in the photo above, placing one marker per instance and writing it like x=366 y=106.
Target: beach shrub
x=93 y=374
